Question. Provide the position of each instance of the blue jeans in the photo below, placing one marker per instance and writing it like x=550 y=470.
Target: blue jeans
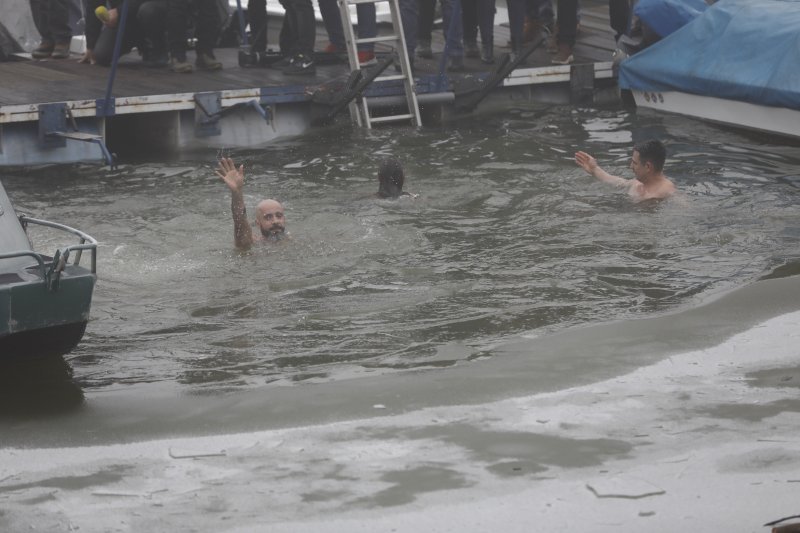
x=367 y=25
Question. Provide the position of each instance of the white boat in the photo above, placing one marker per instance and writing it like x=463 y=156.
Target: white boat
x=734 y=64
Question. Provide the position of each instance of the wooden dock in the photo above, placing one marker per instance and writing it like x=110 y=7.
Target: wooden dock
x=55 y=110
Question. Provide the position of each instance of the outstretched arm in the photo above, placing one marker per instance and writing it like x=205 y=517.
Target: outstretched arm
x=234 y=179
x=589 y=164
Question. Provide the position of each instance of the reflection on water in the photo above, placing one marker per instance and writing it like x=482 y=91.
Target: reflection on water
x=38 y=387
x=507 y=237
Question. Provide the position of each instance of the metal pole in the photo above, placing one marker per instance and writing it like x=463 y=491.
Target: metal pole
x=115 y=59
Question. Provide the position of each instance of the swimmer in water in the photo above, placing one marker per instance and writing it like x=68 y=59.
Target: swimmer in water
x=270 y=217
x=391 y=179
x=647 y=164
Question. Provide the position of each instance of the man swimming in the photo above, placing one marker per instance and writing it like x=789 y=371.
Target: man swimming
x=270 y=216
x=647 y=164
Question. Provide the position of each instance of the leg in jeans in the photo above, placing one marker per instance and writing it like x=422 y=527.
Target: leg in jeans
x=453 y=29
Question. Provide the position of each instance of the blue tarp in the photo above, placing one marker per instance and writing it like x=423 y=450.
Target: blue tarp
x=668 y=16
x=747 y=50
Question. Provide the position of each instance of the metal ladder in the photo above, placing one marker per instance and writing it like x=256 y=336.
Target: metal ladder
x=359 y=108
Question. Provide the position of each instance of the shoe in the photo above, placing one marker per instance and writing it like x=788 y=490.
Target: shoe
x=43 y=51
x=487 y=54
x=207 y=61
x=282 y=63
x=564 y=55
x=456 y=64
x=424 y=50
x=332 y=49
x=471 y=50
x=366 y=58
x=180 y=66
x=301 y=64
x=60 y=51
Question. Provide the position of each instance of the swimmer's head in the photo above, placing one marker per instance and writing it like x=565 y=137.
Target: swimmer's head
x=270 y=219
x=652 y=152
x=390 y=178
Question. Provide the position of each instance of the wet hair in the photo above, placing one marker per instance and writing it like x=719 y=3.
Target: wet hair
x=390 y=178
x=653 y=151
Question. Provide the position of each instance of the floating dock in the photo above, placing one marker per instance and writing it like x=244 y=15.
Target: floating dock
x=61 y=111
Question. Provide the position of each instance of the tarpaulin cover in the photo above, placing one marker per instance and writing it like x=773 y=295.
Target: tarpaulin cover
x=747 y=50
x=667 y=16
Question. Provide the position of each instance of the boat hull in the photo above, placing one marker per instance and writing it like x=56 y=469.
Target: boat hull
x=774 y=120
x=37 y=322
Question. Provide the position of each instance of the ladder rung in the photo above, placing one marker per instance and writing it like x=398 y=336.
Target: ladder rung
x=392 y=77
x=354 y=2
x=379 y=39
x=391 y=118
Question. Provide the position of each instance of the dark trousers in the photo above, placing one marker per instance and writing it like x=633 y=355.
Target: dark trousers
x=300 y=26
x=51 y=18
x=478 y=14
x=145 y=28
x=207 y=25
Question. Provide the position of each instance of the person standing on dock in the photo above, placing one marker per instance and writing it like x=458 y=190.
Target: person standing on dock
x=51 y=18
x=207 y=28
x=270 y=217
x=300 y=34
x=647 y=164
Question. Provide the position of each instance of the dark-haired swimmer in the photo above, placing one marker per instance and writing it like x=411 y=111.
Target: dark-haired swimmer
x=270 y=216
x=647 y=164
x=390 y=179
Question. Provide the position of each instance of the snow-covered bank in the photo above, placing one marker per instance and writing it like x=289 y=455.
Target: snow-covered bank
x=704 y=440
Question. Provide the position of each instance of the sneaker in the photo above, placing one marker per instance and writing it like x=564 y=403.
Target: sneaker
x=43 y=51
x=424 y=49
x=282 y=63
x=487 y=54
x=332 y=49
x=301 y=64
x=564 y=55
x=180 y=66
x=366 y=57
x=207 y=61
x=471 y=50
x=60 y=51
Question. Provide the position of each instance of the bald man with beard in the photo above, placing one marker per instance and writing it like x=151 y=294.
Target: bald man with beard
x=270 y=217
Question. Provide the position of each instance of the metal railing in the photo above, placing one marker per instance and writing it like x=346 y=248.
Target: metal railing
x=87 y=242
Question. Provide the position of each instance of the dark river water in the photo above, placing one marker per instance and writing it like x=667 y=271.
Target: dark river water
x=507 y=238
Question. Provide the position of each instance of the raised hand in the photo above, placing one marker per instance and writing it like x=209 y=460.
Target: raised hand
x=232 y=176
x=586 y=162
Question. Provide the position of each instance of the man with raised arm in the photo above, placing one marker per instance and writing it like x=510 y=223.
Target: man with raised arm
x=647 y=164
x=269 y=213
